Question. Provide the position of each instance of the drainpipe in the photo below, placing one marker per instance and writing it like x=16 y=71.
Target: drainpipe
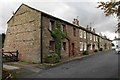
x=41 y=42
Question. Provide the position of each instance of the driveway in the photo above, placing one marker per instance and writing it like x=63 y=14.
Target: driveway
x=101 y=65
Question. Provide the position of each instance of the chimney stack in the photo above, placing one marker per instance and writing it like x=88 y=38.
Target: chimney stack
x=76 y=22
x=93 y=30
x=90 y=28
x=87 y=27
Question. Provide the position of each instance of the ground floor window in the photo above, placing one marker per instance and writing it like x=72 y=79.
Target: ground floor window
x=81 y=46
x=85 y=46
x=96 y=46
x=64 y=46
x=91 y=46
x=52 y=46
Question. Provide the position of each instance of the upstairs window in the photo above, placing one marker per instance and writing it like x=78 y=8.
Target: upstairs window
x=90 y=36
x=74 y=31
x=84 y=34
x=51 y=25
x=63 y=28
x=80 y=33
x=94 y=38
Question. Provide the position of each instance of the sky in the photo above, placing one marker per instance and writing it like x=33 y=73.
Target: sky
x=84 y=10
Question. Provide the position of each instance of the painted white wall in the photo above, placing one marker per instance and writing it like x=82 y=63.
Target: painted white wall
x=116 y=42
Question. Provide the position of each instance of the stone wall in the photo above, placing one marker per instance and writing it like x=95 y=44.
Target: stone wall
x=23 y=34
x=47 y=37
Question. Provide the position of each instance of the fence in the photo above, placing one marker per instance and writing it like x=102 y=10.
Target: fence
x=10 y=56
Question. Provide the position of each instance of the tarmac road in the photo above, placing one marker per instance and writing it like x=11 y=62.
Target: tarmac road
x=101 y=65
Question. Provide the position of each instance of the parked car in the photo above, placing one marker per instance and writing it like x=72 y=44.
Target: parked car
x=113 y=47
x=118 y=50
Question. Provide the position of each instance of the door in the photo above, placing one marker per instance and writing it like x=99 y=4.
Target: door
x=73 y=49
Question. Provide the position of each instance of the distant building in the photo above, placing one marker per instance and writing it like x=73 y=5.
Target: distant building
x=28 y=33
x=117 y=42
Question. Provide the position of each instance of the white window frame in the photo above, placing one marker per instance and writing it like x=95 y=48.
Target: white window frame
x=50 y=25
x=84 y=34
x=63 y=27
x=80 y=33
x=91 y=46
x=90 y=36
x=94 y=38
x=85 y=46
x=81 y=46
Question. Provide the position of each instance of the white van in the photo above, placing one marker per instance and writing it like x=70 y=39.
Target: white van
x=117 y=50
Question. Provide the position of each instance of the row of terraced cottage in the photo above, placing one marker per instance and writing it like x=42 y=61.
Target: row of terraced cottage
x=28 y=33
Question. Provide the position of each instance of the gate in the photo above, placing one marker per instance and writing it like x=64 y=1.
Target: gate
x=10 y=56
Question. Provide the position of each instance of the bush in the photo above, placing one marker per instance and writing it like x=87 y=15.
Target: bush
x=6 y=75
x=52 y=58
x=100 y=49
x=85 y=53
x=95 y=50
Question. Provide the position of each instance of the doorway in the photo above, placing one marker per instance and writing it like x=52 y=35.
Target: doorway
x=73 y=46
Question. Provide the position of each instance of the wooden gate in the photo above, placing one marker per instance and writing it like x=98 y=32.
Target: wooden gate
x=10 y=56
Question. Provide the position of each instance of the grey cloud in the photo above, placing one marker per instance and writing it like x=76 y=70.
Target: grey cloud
x=87 y=12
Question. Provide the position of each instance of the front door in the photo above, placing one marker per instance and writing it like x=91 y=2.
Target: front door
x=72 y=49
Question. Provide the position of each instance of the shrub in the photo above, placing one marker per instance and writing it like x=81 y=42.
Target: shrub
x=52 y=58
x=85 y=53
x=100 y=49
x=6 y=75
x=95 y=50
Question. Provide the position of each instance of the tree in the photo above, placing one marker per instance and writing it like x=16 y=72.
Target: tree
x=3 y=39
x=111 y=8
x=58 y=35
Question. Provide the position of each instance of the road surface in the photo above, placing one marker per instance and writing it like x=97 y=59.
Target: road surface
x=101 y=65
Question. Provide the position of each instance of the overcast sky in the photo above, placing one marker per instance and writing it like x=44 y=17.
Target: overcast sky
x=86 y=11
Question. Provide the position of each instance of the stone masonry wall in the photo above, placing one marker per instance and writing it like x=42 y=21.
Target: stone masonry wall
x=47 y=37
x=23 y=34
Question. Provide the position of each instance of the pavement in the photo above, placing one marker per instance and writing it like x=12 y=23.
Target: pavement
x=100 y=65
x=21 y=69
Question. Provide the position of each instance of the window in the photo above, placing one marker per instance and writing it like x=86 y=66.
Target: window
x=52 y=46
x=64 y=46
x=85 y=46
x=96 y=46
x=51 y=25
x=94 y=37
x=81 y=46
x=91 y=46
x=80 y=33
x=85 y=34
x=100 y=39
x=63 y=27
x=90 y=36
x=74 y=31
